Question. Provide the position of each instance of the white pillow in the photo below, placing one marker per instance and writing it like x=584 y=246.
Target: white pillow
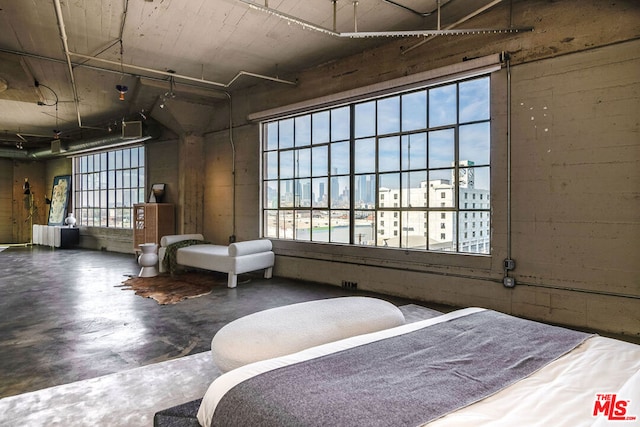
x=249 y=247
x=291 y=328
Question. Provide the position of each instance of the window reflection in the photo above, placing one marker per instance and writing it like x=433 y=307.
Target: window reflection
x=107 y=185
x=389 y=115
x=420 y=178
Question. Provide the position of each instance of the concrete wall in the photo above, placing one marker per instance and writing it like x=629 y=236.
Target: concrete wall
x=575 y=182
x=576 y=221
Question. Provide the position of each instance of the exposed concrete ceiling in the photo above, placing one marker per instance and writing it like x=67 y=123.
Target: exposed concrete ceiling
x=210 y=46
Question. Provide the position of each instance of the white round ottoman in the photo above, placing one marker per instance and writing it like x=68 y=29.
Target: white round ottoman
x=289 y=329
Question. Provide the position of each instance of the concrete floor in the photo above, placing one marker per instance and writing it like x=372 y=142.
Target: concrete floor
x=63 y=318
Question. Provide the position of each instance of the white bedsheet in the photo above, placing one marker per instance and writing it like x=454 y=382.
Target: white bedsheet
x=562 y=393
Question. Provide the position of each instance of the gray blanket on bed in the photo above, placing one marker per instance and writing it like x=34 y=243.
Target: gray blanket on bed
x=401 y=381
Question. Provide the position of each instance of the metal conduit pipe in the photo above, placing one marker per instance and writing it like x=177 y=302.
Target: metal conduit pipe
x=233 y=236
x=509 y=263
x=182 y=76
x=508 y=158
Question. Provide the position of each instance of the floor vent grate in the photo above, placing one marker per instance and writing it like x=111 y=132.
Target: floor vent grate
x=349 y=285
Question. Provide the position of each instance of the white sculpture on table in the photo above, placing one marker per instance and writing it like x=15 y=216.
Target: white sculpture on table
x=70 y=220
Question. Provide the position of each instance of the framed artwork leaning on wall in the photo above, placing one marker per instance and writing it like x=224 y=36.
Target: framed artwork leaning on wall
x=59 y=199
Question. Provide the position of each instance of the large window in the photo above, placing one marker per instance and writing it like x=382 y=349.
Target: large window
x=410 y=170
x=106 y=186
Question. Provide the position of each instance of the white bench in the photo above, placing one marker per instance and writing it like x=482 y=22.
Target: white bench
x=237 y=258
x=292 y=328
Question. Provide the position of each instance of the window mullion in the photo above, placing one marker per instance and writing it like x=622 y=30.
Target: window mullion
x=352 y=180
x=413 y=172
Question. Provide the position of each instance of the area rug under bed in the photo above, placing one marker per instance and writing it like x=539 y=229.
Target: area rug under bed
x=169 y=391
x=184 y=415
x=128 y=399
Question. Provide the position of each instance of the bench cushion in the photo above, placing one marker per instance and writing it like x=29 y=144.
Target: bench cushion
x=209 y=257
x=292 y=328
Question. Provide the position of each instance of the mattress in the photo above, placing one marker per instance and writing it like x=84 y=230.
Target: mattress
x=595 y=382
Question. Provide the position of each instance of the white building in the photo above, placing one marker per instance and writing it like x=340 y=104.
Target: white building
x=437 y=229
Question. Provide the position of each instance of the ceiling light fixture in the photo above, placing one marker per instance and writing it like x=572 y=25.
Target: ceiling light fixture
x=122 y=89
x=458 y=22
x=292 y=19
x=427 y=33
x=370 y=34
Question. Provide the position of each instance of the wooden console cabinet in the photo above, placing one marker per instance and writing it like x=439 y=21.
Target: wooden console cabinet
x=151 y=222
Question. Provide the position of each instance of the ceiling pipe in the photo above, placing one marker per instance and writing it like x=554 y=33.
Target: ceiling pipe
x=63 y=36
x=182 y=76
x=151 y=130
x=73 y=148
x=18 y=153
x=68 y=54
x=97 y=68
x=13 y=153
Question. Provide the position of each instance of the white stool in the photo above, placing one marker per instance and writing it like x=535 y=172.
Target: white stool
x=148 y=260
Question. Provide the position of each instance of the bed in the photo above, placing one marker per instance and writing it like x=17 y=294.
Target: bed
x=471 y=367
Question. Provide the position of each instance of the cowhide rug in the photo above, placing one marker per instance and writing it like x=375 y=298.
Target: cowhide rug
x=167 y=289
